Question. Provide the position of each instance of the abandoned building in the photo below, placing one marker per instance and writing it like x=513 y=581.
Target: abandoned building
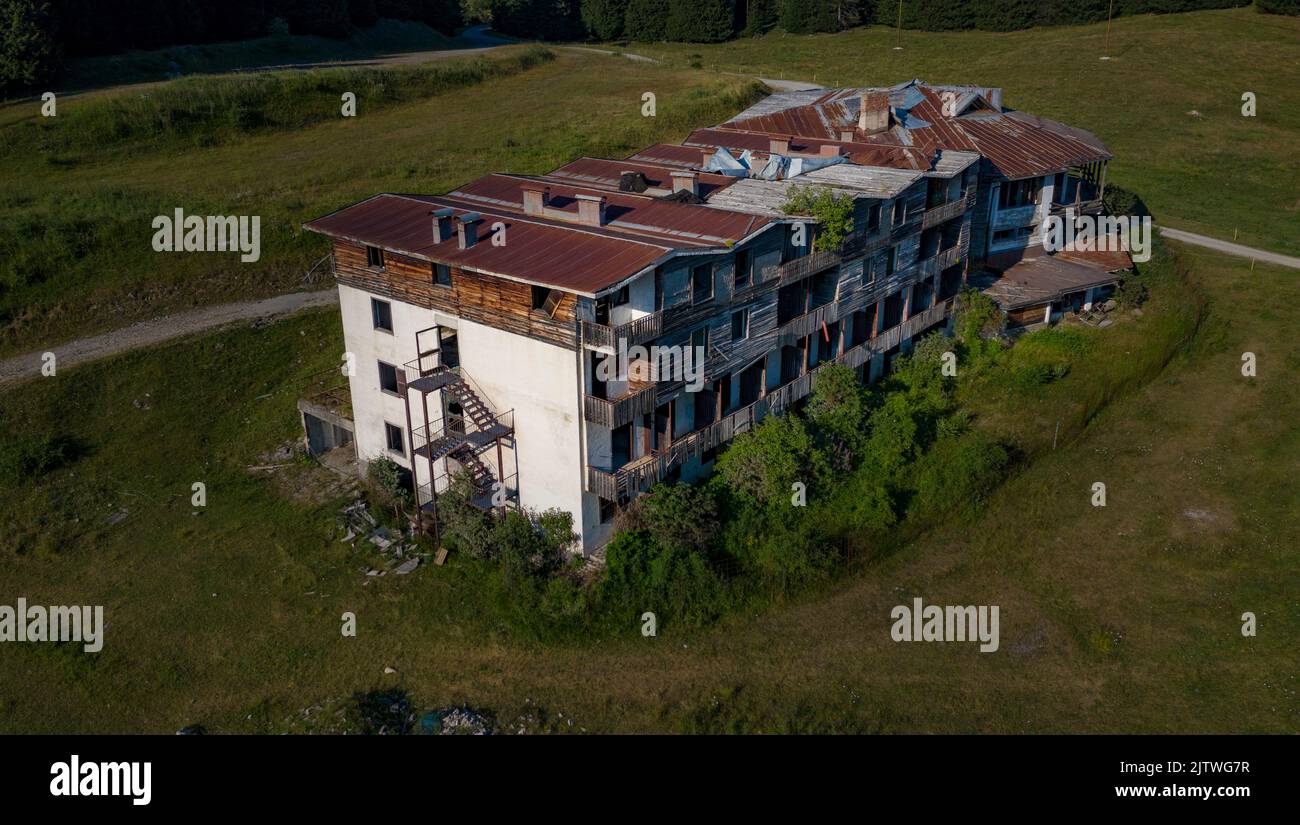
x=478 y=322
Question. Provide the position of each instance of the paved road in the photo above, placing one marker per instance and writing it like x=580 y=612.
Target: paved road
x=1230 y=248
x=161 y=330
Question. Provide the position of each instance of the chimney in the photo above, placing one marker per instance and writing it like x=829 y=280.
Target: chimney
x=442 y=224
x=536 y=198
x=686 y=181
x=873 y=115
x=591 y=209
x=846 y=135
x=779 y=145
x=830 y=150
x=708 y=152
x=467 y=229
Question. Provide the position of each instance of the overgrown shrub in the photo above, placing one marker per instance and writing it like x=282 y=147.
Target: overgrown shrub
x=25 y=458
x=390 y=484
x=956 y=473
x=834 y=213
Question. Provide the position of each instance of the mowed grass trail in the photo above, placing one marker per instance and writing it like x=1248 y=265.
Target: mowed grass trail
x=1123 y=618
x=1168 y=103
x=75 y=233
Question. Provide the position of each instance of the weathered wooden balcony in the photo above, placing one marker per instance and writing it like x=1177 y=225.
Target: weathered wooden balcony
x=615 y=412
x=645 y=471
x=947 y=211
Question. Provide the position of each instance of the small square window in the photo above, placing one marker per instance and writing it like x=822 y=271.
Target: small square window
x=701 y=283
x=381 y=313
x=442 y=275
x=394 y=438
x=388 y=378
x=540 y=294
x=607 y=511
x=873 y=216
x=375 y=257
x=740 y=325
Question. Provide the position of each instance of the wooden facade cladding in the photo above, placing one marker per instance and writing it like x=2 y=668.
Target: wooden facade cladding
x=485 y=299
x=642 y=473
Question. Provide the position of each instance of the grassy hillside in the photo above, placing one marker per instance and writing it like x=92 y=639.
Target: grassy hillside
x=386 y=37
x=1167 y=103
x=1117 y=619
x=82 y=188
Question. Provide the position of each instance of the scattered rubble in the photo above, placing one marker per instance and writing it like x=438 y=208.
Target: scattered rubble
x=399 y=549
x=459 y=721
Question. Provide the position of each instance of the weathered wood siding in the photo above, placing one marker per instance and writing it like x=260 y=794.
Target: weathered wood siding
x=484 y=299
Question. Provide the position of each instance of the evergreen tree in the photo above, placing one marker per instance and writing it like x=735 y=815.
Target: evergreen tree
x=604 y=18
x=646 y=21
x=701 y=21
x=28 y=52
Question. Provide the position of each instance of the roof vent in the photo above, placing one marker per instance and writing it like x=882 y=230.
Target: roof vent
x=467 y=229
x=536 y=198
x=442 y=230
x=779 y=145
x=591 y=209
x=846 y=135
x=686 y=182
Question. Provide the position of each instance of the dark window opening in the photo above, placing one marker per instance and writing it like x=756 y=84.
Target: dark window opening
x=394 y=438
x=740 y=325
x=442 y=275
x=742 y=268
x=381 y=313
x=540 y=294
x=701 y=283
x=388 y=378
x=375 y=257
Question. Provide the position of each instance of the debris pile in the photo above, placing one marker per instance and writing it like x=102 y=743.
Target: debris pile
x=399 y=551
x=459 y=721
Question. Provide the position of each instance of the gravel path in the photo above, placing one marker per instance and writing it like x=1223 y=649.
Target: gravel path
x=161 y=330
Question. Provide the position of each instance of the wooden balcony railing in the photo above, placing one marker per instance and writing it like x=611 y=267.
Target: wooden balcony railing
x=618 y=411
x=642 y=473
x=947 y=211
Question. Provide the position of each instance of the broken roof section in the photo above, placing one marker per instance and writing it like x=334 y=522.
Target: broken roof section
x=923 y=122
x=1041 y=278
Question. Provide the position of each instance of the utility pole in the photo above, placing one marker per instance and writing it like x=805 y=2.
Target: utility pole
x=899 y=42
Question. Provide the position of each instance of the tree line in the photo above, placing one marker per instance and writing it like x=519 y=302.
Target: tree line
x=35 y=35
x=712 y=21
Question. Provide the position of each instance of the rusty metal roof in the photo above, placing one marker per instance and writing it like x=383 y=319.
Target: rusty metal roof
x=1016 y=144
x=571 y=259
x=604 y=173
x=561 y=253
x=1041 y=278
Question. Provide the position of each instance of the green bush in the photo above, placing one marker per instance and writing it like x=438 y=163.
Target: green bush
x=956 y=474
x=29 y=457
x=29 y=54
x=681 y=516
x=834 y=213
x=641 y=575
x=762 y=465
